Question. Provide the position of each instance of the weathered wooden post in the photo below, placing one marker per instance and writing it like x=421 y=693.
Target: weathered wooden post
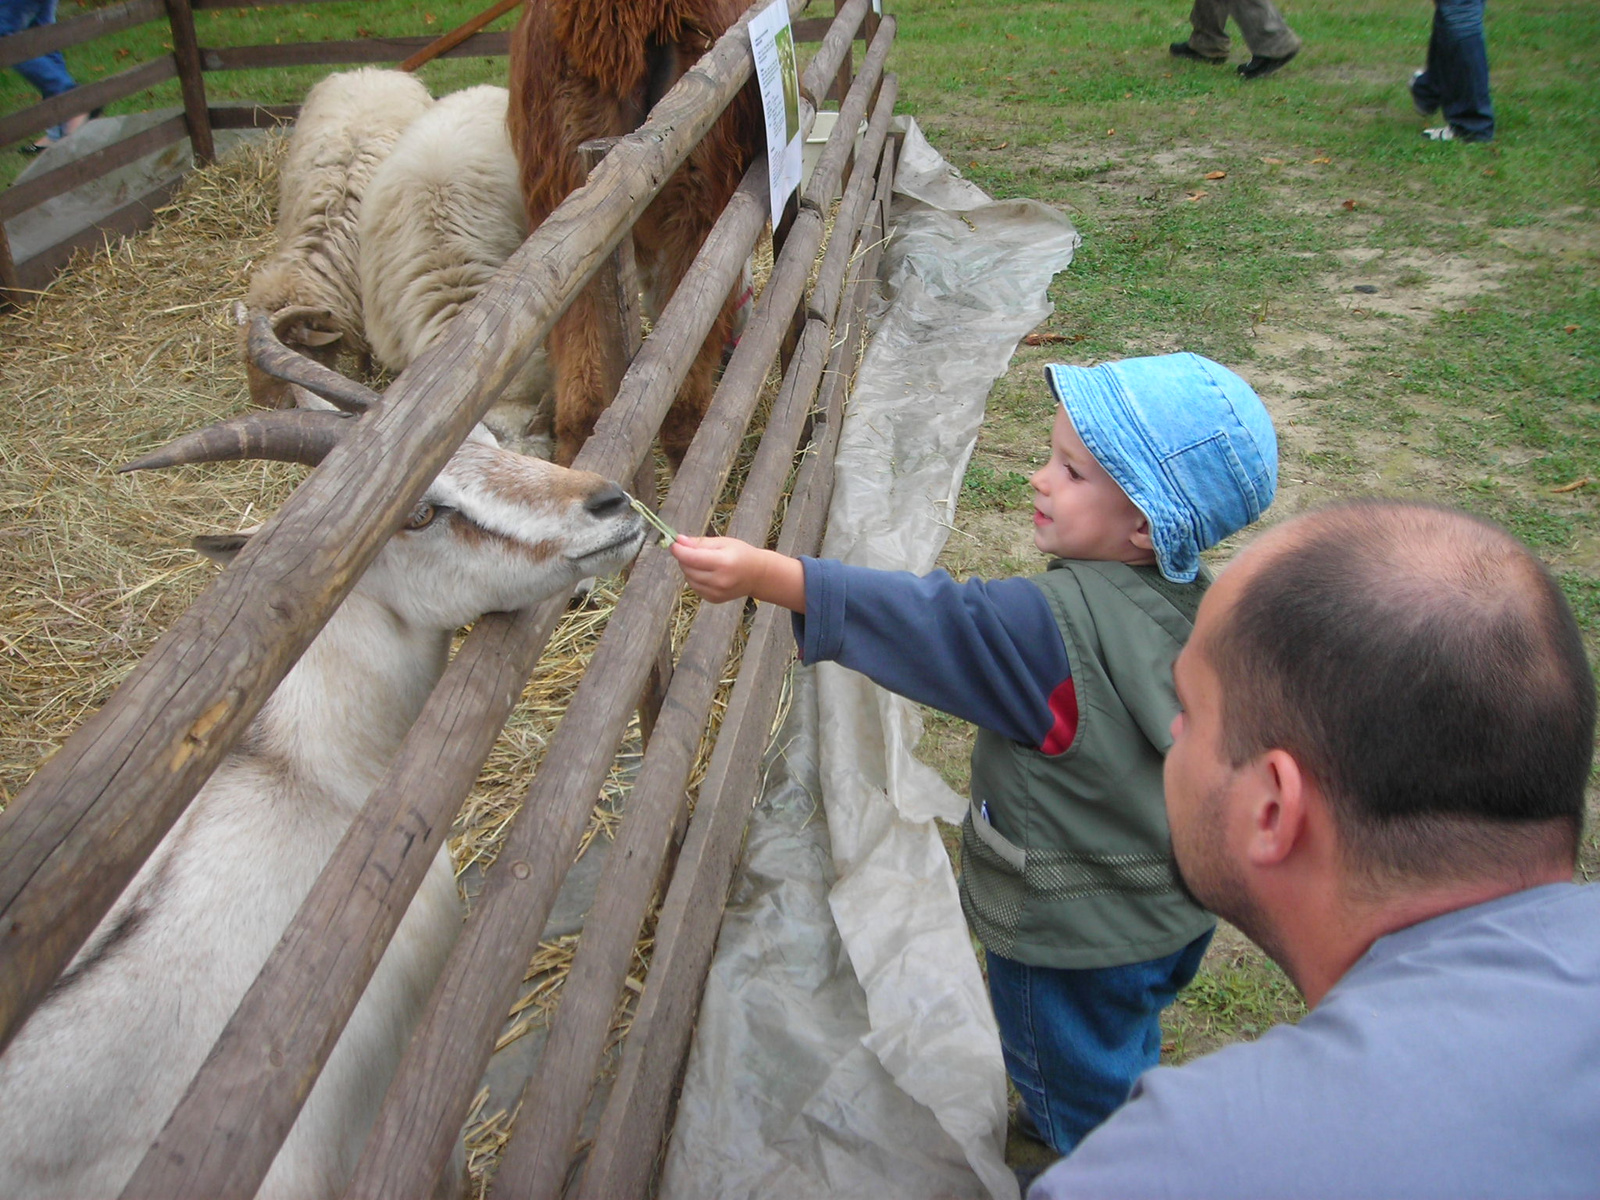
x=186 y=53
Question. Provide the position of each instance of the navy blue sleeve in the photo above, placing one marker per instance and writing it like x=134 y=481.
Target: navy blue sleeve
x=988 y=652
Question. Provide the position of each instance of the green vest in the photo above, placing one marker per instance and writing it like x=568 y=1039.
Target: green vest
x=1065 y=859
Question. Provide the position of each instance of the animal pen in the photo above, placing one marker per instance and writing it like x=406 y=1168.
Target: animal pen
x=78 y=832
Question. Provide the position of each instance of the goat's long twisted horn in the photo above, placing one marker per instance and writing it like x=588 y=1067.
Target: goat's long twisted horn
x=270 y=354
x=287 y=435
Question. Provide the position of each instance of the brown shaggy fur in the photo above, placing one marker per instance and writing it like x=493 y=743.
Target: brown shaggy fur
x=583 y=69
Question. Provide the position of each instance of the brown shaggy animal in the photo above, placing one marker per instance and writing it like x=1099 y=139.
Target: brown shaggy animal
x=583 y=69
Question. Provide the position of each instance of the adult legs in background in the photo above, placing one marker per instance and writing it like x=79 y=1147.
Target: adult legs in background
x=1260 y=24
x=1075 y=1040
x=48 y=73
x=1456 y=78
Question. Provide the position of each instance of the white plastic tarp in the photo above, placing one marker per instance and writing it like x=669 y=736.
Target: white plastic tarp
x=846 y=1047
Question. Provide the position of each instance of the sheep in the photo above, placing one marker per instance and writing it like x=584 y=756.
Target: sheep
x=583 y=69
x=346 y=127
x=439 y=217
x=93 y=1075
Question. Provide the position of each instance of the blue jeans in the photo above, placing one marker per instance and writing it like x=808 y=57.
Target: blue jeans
x=1075 y=1041
x=48 y=73
x=1456 y=79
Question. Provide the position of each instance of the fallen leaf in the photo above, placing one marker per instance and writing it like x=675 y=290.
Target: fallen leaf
x=1322 y=158
x=1001 y=146
x=1490 y=172
x=1193 y=112
x=973 y=163
x=1215 y=175
x=1349 y=205
x=1011 y=37
x=1571 y=487
x=428 y=18
x=1047 y=339
x=1572 y=329
x=1273 y=162
x=1196 y=195
x=1109 y=132
x=1127 y=95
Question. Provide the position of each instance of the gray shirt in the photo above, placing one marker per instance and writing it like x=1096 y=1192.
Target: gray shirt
x=1458 y=1058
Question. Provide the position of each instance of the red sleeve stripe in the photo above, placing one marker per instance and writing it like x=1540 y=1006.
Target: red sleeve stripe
x=1064 y=706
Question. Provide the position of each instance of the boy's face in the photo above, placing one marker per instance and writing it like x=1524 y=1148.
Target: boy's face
x=1079 y=511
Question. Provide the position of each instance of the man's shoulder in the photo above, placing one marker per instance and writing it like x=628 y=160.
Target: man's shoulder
x=1409 y=1077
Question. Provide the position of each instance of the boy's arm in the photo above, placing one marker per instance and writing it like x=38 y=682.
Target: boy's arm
x=988 y=652
x=720 y=569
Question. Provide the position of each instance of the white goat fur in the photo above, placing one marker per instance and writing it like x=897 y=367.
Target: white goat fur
x=93 y=1075
x=441 y=214
x=346 y=128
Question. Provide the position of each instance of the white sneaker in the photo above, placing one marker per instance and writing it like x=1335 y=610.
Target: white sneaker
x=1440 y=133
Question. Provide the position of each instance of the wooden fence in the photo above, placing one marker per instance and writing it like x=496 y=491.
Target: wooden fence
x=189 y=63
x=90 y=816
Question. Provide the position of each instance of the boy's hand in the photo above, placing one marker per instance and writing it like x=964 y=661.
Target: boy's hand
x=720 y=568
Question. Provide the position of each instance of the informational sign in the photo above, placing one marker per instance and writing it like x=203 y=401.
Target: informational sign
x=772 y=42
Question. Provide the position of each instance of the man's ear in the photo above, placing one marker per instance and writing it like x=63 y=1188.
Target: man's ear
x=1140 y=537
x=1278 y=807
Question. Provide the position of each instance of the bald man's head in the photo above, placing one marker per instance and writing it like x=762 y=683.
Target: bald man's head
x=1425 y=668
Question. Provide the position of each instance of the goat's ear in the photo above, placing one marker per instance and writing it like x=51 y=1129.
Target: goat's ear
x=220 y=547
x=307 y=336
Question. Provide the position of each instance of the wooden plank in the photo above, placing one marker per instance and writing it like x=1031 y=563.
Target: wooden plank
x=829 y=167
x=186 y=53
x=440 y=1071
x=76 y=834
x=360 y=50
x=11 y=292
x=20 y=197
x=254 y=116
x=534 y=1166
x=210 y=4
x=458 y=35
x=824 y=64
x=84 y=97
x=632 y=1127
x=62 y=35
x=38 y=271
x=830 y=282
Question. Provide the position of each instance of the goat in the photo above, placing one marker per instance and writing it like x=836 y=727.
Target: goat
x=309 y=287
x=92 y=1076
x=583 y=69
x=439 y=217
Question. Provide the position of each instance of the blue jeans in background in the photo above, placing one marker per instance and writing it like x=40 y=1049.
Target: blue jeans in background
x=48 y=73
x=1456 y=79
x=1075 y=1041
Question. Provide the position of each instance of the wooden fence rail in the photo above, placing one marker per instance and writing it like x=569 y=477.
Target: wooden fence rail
x=74 y=837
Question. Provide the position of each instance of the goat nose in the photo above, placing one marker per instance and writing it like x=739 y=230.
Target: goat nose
x=605 y=501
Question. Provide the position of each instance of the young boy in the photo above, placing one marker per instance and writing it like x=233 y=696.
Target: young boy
x=1066 y=869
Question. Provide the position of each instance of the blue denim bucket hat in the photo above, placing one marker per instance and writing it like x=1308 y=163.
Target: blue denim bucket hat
x=1187 y=440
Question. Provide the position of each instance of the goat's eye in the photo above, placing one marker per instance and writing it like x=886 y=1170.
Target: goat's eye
x=421 y=516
